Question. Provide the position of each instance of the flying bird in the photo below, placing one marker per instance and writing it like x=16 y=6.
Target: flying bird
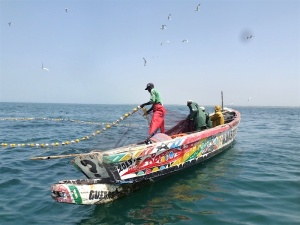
x=197 y=8
x=66 y=10
x=249 y=99
x=145 y=61
x=163 y=27
x=44 y=68
x=168 y=42
x=250 y=36
x=9 y=23
x=169 y=17
x=185 y=40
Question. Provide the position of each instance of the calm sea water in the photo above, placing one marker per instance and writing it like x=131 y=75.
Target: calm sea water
x=257 y=181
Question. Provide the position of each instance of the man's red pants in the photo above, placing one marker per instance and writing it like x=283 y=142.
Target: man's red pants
x=158 y=119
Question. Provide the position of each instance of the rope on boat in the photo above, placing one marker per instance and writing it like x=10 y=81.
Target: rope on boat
x=54 y=144
x=59 y=120
x=146 y=115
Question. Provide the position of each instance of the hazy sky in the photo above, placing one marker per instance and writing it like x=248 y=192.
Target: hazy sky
x=95 y=50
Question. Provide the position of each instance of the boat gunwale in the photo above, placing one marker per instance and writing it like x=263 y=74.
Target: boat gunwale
x=203 y=134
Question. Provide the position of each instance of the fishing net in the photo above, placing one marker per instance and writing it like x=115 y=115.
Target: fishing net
x=175 y=123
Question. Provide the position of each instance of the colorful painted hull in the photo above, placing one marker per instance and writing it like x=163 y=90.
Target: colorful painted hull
x=115 y=173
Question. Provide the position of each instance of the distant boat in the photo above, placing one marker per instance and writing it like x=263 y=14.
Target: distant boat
x=115 y=173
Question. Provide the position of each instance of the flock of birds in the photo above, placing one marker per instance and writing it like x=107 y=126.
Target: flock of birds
x=164 y=27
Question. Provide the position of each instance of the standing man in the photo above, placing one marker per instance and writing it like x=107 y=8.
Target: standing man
x=196 y=116
x=159 y=111
x=217 y=118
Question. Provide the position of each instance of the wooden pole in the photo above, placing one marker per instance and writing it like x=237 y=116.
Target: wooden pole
x=59 y=156
x=222 y=99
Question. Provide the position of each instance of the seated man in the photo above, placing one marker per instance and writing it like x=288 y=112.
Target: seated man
x=217 y=118
x=196 y=117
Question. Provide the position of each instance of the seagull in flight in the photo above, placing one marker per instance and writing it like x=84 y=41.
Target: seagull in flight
x=66 y=10
x=44 y=68
x=9 y=23
x=185 y=40
x=250 y=36
x=197 y=8
x=169 y=17
x=249 y=99
x=145 y=61
x=168 y=42
x=163 y=27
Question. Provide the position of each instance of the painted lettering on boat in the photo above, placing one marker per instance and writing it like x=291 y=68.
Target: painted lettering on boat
x=98 y=195
x=124 y=165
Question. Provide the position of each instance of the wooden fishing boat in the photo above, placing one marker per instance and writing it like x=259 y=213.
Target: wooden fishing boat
x=118 y=172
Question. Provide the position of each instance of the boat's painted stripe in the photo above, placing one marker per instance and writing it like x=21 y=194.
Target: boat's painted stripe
x=166 y=160
x=75 y=194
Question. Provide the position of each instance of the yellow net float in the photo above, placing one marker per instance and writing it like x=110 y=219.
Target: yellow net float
x=145 y=110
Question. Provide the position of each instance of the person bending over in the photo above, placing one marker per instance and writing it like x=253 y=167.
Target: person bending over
x=159 y=111
x=196 y=117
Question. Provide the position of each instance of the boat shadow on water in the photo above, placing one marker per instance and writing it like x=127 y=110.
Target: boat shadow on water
x=172 y=199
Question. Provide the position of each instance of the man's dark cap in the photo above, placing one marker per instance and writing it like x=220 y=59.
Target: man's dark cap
x=149 y=85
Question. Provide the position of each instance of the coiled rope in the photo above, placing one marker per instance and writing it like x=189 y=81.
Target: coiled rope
x=54 y=144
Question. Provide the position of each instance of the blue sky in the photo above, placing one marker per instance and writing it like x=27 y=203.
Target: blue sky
x=95 y=50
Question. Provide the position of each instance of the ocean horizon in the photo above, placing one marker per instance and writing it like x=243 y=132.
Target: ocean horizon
x=183 y=104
